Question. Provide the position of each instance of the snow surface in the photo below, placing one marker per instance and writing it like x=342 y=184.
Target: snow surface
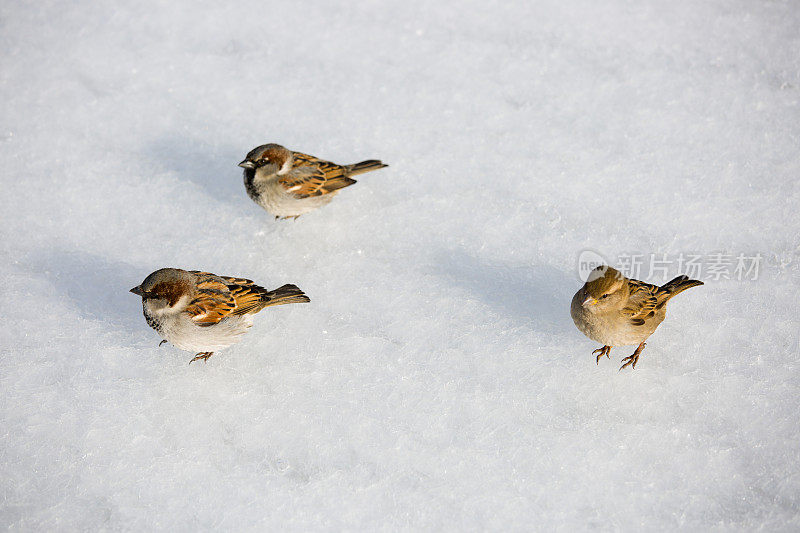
x=436 y=381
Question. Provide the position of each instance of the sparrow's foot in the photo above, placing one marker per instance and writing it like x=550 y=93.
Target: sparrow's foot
x=277 y=217
x=162 y=342
x=202 y=355
x=633 y=358
x=605 y=350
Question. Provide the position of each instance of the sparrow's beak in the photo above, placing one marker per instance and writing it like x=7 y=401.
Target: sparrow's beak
x=247 y=164
x=589 y=301
x=137 y=290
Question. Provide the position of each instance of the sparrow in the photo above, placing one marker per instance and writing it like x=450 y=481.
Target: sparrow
x=614 y=310
x=289 y=184
x=205 y=313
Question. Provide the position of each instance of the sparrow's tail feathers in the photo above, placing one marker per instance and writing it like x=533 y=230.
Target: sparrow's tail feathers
x=364 y=166
x=288 y=294
x=678 y=285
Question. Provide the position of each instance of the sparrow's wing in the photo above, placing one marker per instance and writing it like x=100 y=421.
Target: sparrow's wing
x=219 y=297
x=249 y=297
x=643 y=303
x=213 y=302
x=310 y=176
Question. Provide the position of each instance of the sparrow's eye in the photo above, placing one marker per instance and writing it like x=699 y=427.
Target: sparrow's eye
x=604 y=296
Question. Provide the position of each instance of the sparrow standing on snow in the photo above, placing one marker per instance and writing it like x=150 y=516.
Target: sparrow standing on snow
x=289 y=184
x=614 y=310
x=202 y=312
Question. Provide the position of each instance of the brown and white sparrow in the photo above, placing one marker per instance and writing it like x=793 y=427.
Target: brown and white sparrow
x=289 y=184
x=201 y=312
x=614 y=310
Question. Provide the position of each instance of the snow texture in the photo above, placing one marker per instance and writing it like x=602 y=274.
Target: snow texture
x=435 y=381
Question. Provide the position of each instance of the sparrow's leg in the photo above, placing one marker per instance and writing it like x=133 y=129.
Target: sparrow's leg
x=162 y=342
x=202 y=355
x=633 y=358
x=605 y=350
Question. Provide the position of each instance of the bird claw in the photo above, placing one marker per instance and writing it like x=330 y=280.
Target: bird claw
x=202 y=355
x=162 y=342
x=605 y=350
x=632 y=359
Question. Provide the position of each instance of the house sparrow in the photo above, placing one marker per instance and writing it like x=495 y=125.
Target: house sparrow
x=615 y=310
x=201 y=312
x=288 y=184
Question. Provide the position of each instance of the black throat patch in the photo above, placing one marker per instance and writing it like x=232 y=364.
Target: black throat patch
x=249 y=177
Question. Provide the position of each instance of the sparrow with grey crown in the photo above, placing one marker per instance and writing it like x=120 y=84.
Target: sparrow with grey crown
x=205 y=313
x=614 y=310
x=288 y=184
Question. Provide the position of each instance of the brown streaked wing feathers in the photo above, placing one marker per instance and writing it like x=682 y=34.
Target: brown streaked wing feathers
x=221 y=296
x=213 y=302
x=315 y=177
x=249 y=298
x=644 y=301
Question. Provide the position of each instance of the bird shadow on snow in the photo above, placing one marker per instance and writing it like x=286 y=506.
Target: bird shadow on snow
x=538 y=295
x=96 y=286
x=212 y=167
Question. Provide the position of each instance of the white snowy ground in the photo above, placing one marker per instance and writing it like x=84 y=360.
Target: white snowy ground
x=436 y=381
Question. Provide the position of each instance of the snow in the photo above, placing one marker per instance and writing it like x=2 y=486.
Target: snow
x=435 y=381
